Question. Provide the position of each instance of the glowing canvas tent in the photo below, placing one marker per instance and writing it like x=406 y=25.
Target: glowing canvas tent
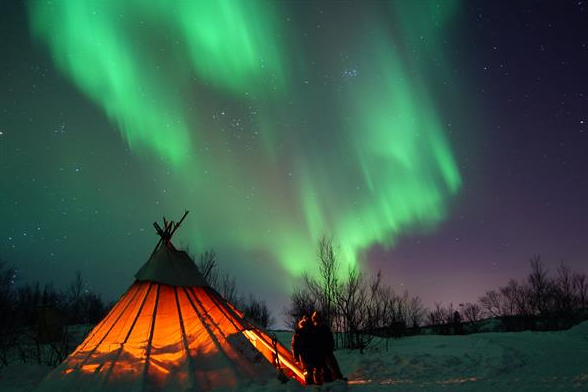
x=171 y=332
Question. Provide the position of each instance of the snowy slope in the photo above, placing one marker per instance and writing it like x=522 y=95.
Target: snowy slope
x=22 y=377
x=523 y=361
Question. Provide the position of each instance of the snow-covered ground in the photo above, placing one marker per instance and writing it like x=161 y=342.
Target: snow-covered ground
x=522 y=361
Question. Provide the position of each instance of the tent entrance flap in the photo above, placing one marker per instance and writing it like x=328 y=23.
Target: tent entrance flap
x=271 y=352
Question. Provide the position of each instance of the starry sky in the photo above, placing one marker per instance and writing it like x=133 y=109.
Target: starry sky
x=441 y=142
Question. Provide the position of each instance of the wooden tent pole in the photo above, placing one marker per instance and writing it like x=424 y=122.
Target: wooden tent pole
x=179 y=223
x=162 y=232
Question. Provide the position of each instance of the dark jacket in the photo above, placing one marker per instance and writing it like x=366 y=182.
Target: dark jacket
x=323 y=340
x=302 y=344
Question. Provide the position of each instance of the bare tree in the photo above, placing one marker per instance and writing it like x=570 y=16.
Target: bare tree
x=74 y=297
x=355 y=305
x=415 y=312
x=351 y=301
x=491 y=303
x=581 y=289
x=227 y=287
x=509 y=295
x=302 y=302
x=323 y=289
x=376 y=304
x=539 y=286
x=328 y=269
x=207 y=264
x=221 y=281
x=542 y=302
x=440 y=315
x=564 y=295
x=225 y=284
x=8 y=328
x=514 y=299
x=472 y=314
x=256 y=310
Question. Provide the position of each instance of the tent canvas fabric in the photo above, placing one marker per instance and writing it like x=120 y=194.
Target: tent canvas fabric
x=171 y=332
x=172 y=267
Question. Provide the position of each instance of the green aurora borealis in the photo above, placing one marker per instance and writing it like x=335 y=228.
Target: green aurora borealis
x=268 y=143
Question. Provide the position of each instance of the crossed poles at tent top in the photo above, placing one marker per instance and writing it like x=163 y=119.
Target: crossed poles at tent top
x=168 y=231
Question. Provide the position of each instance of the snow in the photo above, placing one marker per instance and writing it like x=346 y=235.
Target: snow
x=22 y=377
x=523 y=361
x=510 y=361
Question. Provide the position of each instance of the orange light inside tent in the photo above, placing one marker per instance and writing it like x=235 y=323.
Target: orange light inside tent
x=177 y=338
x=90 y=368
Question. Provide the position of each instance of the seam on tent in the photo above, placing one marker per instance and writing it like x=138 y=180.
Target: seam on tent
x=122 y=345
x=103 y=322
x=138 y=314
x=213 y=337
x=215 y=300
x=249 y=370
x=137 y=289
x=148 y=352
x=214 y=322
x=191 y=367
x=219 y=303
x=229 y=309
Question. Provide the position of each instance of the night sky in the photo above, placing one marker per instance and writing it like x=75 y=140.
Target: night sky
x=442 y=142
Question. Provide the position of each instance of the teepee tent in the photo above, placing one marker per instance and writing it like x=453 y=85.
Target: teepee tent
x=171 y=332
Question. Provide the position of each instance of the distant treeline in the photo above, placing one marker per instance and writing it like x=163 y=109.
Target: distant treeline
x=361 y=307
x=35 y=313
x=542 y=301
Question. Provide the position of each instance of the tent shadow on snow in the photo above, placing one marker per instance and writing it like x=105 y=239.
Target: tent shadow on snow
x=171 y=331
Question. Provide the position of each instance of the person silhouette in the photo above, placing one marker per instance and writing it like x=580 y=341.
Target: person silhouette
x=326 y=365
x=302 y=348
